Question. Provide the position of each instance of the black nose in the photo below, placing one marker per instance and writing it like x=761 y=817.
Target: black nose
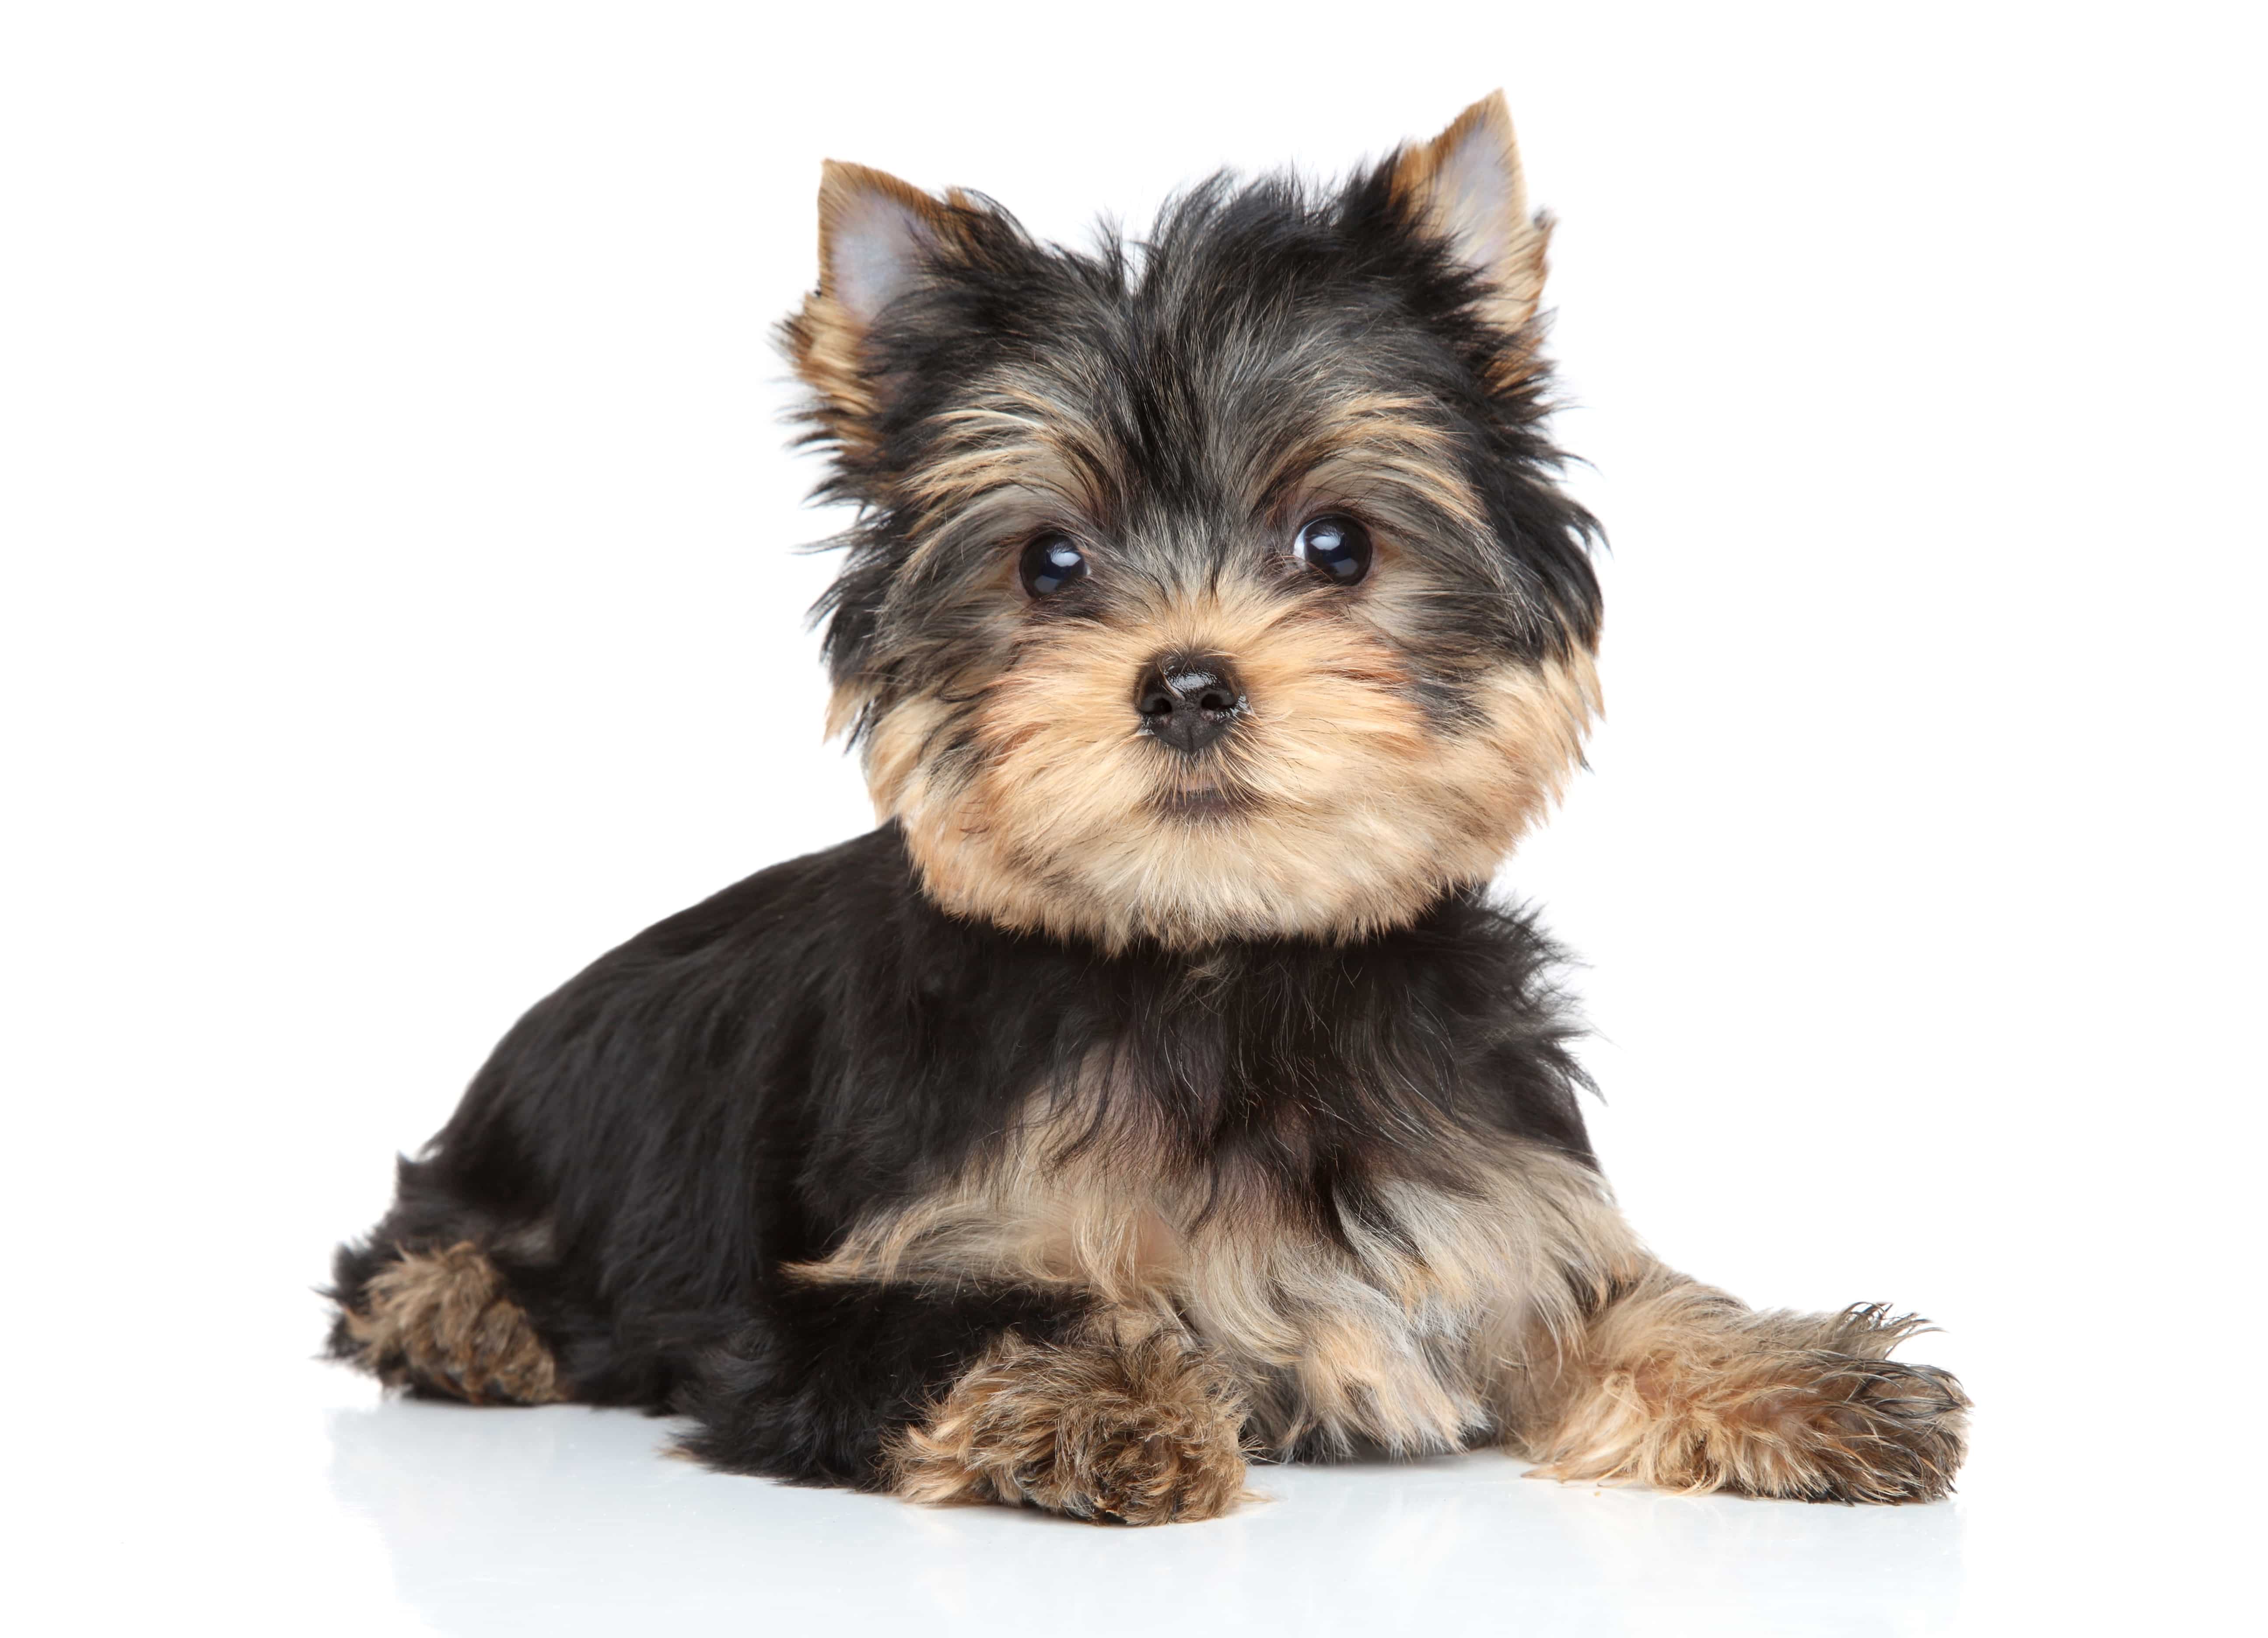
x=1188 y=701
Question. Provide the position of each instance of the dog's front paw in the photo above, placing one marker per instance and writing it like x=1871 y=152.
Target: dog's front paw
x=1837 y=1423
x=1860 y=1430
x=1143 y=1429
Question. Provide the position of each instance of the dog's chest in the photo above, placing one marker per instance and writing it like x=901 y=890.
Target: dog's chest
x=1384 y=1324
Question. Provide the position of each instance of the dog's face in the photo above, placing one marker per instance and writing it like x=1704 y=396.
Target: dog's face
x=1215 y=589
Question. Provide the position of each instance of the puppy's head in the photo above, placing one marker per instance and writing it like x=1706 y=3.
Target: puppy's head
x=1212 y=589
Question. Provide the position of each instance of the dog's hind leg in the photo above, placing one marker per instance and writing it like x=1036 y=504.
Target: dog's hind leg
x=444 y=1321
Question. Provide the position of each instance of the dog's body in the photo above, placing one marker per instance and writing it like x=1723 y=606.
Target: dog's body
x=1158 y=1087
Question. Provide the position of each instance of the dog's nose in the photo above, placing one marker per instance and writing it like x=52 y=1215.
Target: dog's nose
x=1188 y=701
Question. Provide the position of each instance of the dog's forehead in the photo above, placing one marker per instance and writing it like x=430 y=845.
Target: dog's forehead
x=1214 y=338
x=1189 y=389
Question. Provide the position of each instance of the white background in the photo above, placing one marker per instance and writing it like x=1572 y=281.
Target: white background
x=400 y=608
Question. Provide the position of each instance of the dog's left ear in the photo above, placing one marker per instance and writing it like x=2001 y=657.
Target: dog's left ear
x=1465 y=187
x=877 y=236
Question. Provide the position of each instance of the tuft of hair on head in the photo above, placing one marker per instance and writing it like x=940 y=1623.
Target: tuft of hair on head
x=1466 y=189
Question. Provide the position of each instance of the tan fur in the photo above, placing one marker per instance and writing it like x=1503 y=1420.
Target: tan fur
x=1377 y=445
x=1401 y=1337
x=825 y=346
x=1681 y=1387
x=1511 y=1301
x=1066 y=820
x=1131 y=1420
x=1490 y=227
x=442 y=1320
x=1021 y=440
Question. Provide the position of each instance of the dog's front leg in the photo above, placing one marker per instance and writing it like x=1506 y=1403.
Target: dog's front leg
x=1124 y=1417
x=1013 y=1395
x=1672 y=1383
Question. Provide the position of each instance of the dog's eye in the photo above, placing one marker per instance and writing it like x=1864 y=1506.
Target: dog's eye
x=1050 y=562
x=1335 y=545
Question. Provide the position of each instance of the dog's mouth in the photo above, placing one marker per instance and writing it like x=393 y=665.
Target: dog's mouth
x=1206 y=799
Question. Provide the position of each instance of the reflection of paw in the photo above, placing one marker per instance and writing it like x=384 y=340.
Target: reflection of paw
x=442 y=1322
x=1139 y=1432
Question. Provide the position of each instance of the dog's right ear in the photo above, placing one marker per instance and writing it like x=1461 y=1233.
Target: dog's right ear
x=876 y=236
x=875 y=233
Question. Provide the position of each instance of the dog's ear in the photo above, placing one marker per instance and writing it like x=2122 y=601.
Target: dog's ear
x=1465 y=187
x=876 y=234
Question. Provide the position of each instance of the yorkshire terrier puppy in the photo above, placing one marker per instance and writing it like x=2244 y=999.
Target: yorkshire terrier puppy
x=1158 y=1088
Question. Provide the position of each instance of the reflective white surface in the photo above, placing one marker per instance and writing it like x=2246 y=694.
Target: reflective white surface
x=289 y=1499
x=493 y=1522
x=302 y=1499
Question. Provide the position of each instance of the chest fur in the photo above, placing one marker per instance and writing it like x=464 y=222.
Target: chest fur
x=1389 y=1310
